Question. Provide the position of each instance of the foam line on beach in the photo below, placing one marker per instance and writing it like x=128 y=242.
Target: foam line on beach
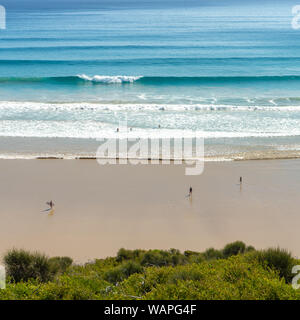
x=216 y=158
x=60 y=106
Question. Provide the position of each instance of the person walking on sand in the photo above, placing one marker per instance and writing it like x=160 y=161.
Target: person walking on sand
x=241 y=180
x=50 y=204
x=189 y=195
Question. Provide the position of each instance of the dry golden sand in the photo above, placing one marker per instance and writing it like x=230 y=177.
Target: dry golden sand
x=99 y=209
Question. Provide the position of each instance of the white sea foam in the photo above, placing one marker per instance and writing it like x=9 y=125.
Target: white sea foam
x=96 y=120
x=20 y=105
x=109 y=79
x=98 y=130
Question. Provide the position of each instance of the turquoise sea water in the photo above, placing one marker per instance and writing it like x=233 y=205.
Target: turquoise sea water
x=229 y=72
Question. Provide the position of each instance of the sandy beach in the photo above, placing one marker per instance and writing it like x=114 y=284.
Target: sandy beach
x=99 y=209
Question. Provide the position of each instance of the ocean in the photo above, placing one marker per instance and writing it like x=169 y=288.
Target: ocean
x=221 y=70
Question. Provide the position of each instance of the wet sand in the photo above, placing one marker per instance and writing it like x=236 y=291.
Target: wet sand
x=99 y=209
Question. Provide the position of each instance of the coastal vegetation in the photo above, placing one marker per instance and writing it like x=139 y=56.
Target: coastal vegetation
x=235 y=272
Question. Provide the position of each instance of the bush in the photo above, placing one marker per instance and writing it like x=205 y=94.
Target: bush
x=124 y=254
x=189 y=253
x=122 y=272
x=277 y=259
x=60 y=264
x=194 y=257
x=250 y=249
x=155 y=258
x=166 y=274
x=22 y=265
x=222 y=279
x=161 y=258
x=137 y=254
x=211 y=254
x=234 y=248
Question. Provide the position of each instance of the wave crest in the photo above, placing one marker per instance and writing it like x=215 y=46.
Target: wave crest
x=109 y=79
x=151 y=80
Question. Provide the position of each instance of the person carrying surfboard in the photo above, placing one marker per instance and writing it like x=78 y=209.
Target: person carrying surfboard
x=50 y=204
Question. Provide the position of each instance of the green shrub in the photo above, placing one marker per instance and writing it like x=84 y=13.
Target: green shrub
x=137 y=254
x=195 y=257
x=249 y=249
x=234 y=248
x=277 y=259
x=124 y=254
x=185 y=273
x=22 y=265
x=223 y=279
x=189 y=253
x=161 y=258
x=60 y=264
x=211 y=254
x=166 y=274
x=155 y=258
x=122 y=272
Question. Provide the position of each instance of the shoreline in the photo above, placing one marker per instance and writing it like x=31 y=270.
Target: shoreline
x=215 y=150
x=99 y=209
x=172 y=160
x=220 y=150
